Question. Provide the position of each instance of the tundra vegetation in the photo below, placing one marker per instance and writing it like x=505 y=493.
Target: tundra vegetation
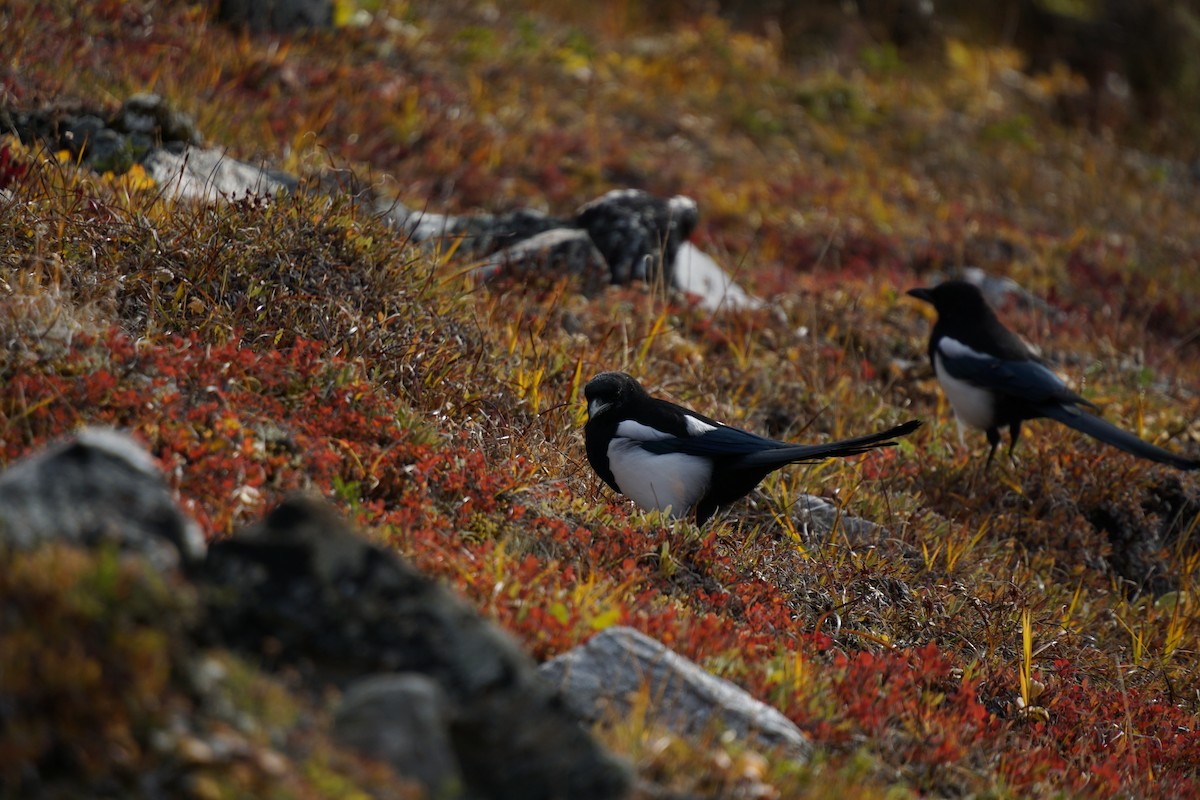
x=1025 y=631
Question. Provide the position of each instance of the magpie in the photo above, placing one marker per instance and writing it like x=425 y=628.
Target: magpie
x=665 y=457
x=994 y=379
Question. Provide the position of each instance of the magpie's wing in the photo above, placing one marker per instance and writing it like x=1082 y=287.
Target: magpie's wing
x=720 y=442
x=752 y=451
x=1027 y=380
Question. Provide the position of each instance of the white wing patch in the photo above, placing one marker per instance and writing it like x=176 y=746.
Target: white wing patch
x=956 y=349
x=654 y=481
x=639 y=432
x=697 y=426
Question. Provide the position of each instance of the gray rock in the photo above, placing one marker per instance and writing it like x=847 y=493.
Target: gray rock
x=602 y=677
x=106 y=143
x=100 y=147
x=557 y=252
x=79 y=131
x=109 y=151
x=488 y=234
x=148 y=118
x=100 y=486
x=477 y=235
x=819 y=519
x=303 y=589
x=630 y=231
x=697 y=273
x=404 y=720
x=276 y=16
x=637 y=233
x=209 y=175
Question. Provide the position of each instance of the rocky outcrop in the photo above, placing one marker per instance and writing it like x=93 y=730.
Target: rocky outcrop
x=431 y=686
x=638 y=234
x=105 y=142
x=403 y=719
x=621 y=237
x=302 y=589
x=476 y=234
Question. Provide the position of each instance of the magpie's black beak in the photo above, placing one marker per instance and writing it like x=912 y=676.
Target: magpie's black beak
x=597 y=407
x=921 y=294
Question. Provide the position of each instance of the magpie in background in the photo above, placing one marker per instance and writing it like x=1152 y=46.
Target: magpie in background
x=993 y=379
x=663 y=456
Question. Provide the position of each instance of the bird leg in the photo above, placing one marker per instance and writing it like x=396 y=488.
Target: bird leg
x=1014 y=433
x=993 y=437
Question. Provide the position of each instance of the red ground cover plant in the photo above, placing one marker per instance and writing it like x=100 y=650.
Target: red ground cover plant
x=235 y=428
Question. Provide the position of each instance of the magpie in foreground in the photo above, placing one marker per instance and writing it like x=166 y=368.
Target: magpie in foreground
x=993 y=379
x=663 y=456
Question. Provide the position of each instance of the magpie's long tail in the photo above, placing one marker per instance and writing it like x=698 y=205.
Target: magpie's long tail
x=816 y=452
x=1108 y=433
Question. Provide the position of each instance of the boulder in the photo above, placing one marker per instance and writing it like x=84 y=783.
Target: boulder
x=696 y=273
x=479 y=234
x=149 y=122
x=403 y=719
x=559 y=252
x=601 y=679
x=209 y=175
x=99 y=486
x=637 y=233
x=303 y=589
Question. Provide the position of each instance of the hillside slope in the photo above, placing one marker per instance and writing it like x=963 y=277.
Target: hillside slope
x=1026 y=631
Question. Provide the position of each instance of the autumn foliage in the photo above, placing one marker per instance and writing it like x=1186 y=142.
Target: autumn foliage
x=1029 y=631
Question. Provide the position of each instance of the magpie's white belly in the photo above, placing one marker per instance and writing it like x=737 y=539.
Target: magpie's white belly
x=658 y=482
x=971 y=405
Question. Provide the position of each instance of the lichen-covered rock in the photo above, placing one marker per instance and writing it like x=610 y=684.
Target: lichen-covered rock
x=210 y=175
x=303 y=589
x=601 y=679
x=476 y=235
x=149 y=122
x=99 y=486
x=624 y=236
x=557 y=253
x=105 y=142
x=637 y=233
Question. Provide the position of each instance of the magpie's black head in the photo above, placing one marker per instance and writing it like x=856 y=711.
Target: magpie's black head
x=610 y=390
x=954 y=299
